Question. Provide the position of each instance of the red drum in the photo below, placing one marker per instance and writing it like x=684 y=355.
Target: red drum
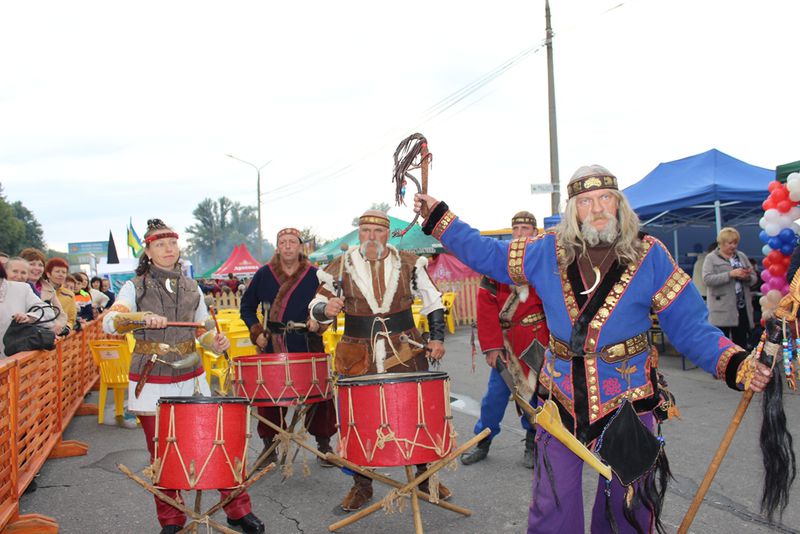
x=201 y=442
x=395 y=419
x=283 y=379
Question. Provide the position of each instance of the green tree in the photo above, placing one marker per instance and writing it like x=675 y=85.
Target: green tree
x=220 y=225
x=18 y=227
x=34 y=236
x=380 y=206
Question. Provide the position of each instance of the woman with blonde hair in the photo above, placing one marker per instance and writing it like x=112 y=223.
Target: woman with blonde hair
x=728 y=275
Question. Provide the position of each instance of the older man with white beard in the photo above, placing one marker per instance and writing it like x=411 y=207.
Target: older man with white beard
x=599 y=279
x=375 y=285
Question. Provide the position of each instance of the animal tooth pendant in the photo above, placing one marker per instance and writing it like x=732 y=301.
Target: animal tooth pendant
x=168 y=285
x=596 y=272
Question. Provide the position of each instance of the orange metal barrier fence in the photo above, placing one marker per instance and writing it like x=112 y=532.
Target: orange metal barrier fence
x=40 y=392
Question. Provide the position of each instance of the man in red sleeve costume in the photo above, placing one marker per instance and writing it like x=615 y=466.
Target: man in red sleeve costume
x=509 y=319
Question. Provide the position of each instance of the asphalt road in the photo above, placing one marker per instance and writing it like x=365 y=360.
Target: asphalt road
x=89 y=495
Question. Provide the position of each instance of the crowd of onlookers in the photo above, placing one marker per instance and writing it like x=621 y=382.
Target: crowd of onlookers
x=64 y=300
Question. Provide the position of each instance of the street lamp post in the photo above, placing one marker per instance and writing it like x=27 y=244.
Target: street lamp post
x=258 y=192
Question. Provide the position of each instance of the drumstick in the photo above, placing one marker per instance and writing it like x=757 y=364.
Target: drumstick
x=339 y=283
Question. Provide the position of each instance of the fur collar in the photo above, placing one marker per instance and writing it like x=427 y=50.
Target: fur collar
x=287 y=284
x=359 y=270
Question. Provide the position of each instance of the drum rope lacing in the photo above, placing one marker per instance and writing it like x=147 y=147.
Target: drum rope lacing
x=385 y=434
x=191 y=476
x=288 y=385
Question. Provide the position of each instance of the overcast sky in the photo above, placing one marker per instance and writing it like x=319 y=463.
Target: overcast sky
x=112 y=110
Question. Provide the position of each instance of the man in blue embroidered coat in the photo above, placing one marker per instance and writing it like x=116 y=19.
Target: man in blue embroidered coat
x=598 y=279
x=284 y=287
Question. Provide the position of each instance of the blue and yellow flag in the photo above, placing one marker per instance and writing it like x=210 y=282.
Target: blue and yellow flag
x=134 y=242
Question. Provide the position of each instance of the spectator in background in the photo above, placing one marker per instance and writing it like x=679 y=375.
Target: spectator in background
x=43 y=288
x=105 y=287
x=17 y=269
x=82 y=297
x=232 y=282
x=36 y=259
x=728 y=275
x=697 y=271
x=16 y=298
x=55 y=274
x=96 y=282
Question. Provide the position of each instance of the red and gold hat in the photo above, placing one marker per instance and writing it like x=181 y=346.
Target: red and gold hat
x=374 y=217
x=523 y=217
x=290 y=231
x=589 y=178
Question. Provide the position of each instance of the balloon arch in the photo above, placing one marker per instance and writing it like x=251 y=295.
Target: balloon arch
x=779 y=233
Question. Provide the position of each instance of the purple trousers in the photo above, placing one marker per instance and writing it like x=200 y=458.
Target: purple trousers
x=546 y=517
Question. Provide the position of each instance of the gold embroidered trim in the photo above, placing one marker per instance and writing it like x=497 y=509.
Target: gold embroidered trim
x=566 y=289
x=589 y=183
x=725 y=357
x=443 y=223
x=612 y=299
x=676 y=283
x=516 y=260
x=610 y=353
x=371 y=219
x=562 y=398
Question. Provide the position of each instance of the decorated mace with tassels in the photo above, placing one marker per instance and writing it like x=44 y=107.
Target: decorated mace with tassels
x=411 y=154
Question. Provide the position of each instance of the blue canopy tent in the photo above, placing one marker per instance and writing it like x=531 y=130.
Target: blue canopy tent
x=708 y=190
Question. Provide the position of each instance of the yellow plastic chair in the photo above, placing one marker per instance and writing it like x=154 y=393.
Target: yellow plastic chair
x=448 y=299
x=214 y=365
x=131 y=341
x=240 y=344
x=113 y=357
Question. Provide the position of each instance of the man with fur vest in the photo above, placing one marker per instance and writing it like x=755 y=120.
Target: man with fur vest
x=375 y=285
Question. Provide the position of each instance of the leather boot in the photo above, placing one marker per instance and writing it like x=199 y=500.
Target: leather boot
x=359 y=494
x=273 y=456
x=324 y=446
x=528 y=459
x=171 y=529
x=444 y=492
x=478 y=453
x=249 y=524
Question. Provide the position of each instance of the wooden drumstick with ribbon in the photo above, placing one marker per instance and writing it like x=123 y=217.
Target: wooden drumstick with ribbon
x=224 y=352
x=340 y=282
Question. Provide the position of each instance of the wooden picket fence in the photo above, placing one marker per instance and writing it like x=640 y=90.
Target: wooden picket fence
x=40 y=393
x=465 y=306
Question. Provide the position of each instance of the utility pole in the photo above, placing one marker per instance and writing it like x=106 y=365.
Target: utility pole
x=260 y=251
x=555 y=197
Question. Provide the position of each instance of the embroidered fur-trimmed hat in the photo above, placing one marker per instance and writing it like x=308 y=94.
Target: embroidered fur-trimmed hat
x=523 y=217
x=289 y=231
x=374 y=217
x=589 y=178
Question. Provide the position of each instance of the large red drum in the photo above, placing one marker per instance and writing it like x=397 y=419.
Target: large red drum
x=201 y=442
x=395 y=419
x=283 y=378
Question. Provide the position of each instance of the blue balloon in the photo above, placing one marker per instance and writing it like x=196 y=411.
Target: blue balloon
x=786 y=234
x=775 y=242
x=787 y=249
x=765 y=250
x=762 y=235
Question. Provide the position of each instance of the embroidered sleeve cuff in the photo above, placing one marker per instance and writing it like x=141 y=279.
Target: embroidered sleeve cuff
x=731 y=369
x=434 y=217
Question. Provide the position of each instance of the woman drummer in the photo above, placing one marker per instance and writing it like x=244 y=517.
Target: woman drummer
x=160 y=293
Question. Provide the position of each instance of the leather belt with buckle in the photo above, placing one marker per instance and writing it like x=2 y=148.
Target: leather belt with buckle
x=610 y=353
x=162 y=349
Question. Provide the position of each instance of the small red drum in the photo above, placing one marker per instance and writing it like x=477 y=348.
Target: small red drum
x=395 y=419
x=201 y=442
x=283 y=378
